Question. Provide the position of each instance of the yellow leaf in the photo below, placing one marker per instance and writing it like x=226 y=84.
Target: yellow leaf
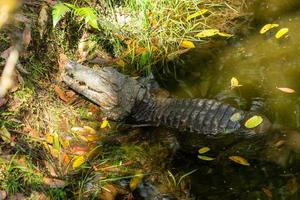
x=196 y=14
x=187 y=44
x=281 y=33
x=240 y=160
x=236 y=117
x=134 y=182
x=207 y=33
x=121 y=63
x=203 y=150
x=254 y=121
x=206 y=158
x=234 y=82
x=89 y=130
x=225 y=34
x=267 y=27
x=104 y=124
x=56 y=142
x=78 y=161
x=286 y=90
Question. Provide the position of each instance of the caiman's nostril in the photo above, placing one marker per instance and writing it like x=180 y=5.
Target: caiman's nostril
x=69 y=65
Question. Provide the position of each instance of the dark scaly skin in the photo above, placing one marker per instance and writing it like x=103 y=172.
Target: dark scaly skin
x=123 y=98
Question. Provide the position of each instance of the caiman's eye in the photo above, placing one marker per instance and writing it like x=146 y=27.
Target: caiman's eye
x=81 y=83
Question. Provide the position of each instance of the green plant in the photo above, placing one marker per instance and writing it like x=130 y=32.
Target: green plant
x=86 y=13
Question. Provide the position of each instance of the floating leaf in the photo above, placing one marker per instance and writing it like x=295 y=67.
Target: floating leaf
x=281 y=33
x=236 y=117
x=254 y=121
x=206 y=158
x=267 y=27
x=196 y=14
x=207 y=33
x=234 y=82
x=187 y=44
x=225 y=34
x=240 y=160
x=78 y=161
x=104 y=124
x=286 y=90
x=203 y=150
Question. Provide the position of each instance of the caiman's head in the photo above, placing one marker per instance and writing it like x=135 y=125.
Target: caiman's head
x=114 y=92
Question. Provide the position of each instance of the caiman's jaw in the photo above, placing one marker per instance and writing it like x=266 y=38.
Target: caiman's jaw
x=105 y=87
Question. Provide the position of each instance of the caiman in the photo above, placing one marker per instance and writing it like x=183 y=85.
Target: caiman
x=122 y=98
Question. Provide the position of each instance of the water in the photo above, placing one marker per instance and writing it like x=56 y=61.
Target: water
x=261 y=63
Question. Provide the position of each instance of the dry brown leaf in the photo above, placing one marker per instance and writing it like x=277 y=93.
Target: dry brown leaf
x=61 y=94
x=26 y=36
x=267 y=192
x=3 y=195
x=54 y=183
x=286 y=90
x=43 y=19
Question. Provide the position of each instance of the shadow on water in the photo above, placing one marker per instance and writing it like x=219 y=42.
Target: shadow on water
x=261 y=63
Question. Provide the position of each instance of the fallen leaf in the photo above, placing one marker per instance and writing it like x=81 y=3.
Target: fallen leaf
x=187 y=44
x=78 y=161
x=225 y=34
x=234 y=82
x=207 y=33
x=282 y=32
x=54 y=182
x=267 y=27
x=5 y=135
x=206 y=158
x=104 y=124
x=61 y=94
x=121 y=63
x=3 y=195
x=267 y=192
x=42 y=20
x=203 y=150
x=26 y=36
x=236 y=117
x=240 y=160
x=175 y=54
x=279 y=143
x=286 y=90
x=135 y=181
x=254 y=121
x=196 y=14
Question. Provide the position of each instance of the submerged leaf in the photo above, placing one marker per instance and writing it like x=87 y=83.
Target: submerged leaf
x=254 y=121
x=267 y=27
x=203 y=150
x=240 y=160
x=281 y=33
x=78 y=161
x=286 y=90
x=196 y=14
x=206 y=158
x=187 y=44
x=207 y=33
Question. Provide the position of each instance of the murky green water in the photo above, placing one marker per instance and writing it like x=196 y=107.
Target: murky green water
x=261 y=63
